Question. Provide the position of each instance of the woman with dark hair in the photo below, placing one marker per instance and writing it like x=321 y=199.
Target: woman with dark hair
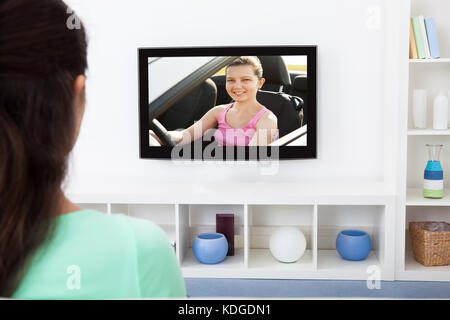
x=49 y=247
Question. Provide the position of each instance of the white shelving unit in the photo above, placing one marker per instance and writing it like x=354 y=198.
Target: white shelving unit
x=432 y=75
x=320 y=212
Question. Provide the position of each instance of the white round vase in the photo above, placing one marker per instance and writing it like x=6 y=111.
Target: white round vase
x=287 y=244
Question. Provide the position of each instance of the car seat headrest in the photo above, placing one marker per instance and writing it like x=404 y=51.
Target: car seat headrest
x=275 y=70
x=300 y=83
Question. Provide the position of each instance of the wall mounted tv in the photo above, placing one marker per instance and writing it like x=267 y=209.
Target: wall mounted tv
x=228 y=103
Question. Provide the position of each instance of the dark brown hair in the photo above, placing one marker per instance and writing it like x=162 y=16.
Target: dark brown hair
x=40 y=57
x=251 y=61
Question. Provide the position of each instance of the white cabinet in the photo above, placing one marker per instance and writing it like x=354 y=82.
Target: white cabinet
x=320 y=213
x=432 y=75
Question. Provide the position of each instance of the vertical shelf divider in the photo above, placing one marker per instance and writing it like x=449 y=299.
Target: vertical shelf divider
x=177 y=232
x=246 y=235
x=108 y=208
x=388 y=262
x=181 y=230
x=314 y=236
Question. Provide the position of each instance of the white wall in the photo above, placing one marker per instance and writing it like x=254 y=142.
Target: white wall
x=354 y=137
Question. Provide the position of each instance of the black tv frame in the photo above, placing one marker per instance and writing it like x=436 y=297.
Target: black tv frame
x=285 y=152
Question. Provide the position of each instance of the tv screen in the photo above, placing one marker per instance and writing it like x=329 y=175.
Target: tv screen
x=228 y=103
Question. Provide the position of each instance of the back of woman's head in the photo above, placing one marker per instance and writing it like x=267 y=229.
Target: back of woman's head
x=40 y=57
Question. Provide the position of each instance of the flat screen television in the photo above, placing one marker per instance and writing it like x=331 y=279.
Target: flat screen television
x=228 y=103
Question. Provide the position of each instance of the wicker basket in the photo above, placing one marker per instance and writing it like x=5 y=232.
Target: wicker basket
x=431 y=242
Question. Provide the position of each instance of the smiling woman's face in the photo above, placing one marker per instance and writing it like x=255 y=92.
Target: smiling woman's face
x=242 y=84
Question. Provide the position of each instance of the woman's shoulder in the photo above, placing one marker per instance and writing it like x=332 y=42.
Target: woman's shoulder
x=159 y=273
x=268 y=119
x=219 y=108
x=132 y=249
x=122 y=230
x=111 y=223
x=147 y=231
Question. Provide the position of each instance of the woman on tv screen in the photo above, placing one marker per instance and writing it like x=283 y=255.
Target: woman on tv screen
x=245 y=121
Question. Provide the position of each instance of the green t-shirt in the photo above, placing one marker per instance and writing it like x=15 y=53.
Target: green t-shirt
x=93 y=255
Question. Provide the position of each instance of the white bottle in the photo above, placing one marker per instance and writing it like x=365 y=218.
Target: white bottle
x=440 y=112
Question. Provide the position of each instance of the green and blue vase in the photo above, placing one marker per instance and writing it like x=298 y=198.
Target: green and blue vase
x=433 y=185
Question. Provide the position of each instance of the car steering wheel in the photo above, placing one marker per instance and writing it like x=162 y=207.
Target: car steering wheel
x=162 y=133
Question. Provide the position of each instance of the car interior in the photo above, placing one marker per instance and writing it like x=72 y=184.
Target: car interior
x=284 y=93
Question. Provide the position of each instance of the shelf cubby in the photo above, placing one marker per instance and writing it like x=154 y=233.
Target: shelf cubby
x=417 y=158
x=334 y=218
x=263 y=220
x=433 y=76
x=413 y=269
x=193 y=219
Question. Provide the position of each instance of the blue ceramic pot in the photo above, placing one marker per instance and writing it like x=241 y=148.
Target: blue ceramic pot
x=353 y=245
x=210 y=248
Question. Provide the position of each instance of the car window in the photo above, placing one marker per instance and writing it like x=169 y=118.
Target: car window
x=295 y=63
x=165 y=72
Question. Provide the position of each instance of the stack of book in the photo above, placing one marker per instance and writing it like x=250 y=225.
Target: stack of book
x=423 y=42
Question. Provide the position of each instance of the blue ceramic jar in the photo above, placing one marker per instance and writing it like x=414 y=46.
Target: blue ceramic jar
x=353 y=245
x=210 y=248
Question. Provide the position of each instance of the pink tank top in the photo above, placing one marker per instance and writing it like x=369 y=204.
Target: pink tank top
x=226 y=135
